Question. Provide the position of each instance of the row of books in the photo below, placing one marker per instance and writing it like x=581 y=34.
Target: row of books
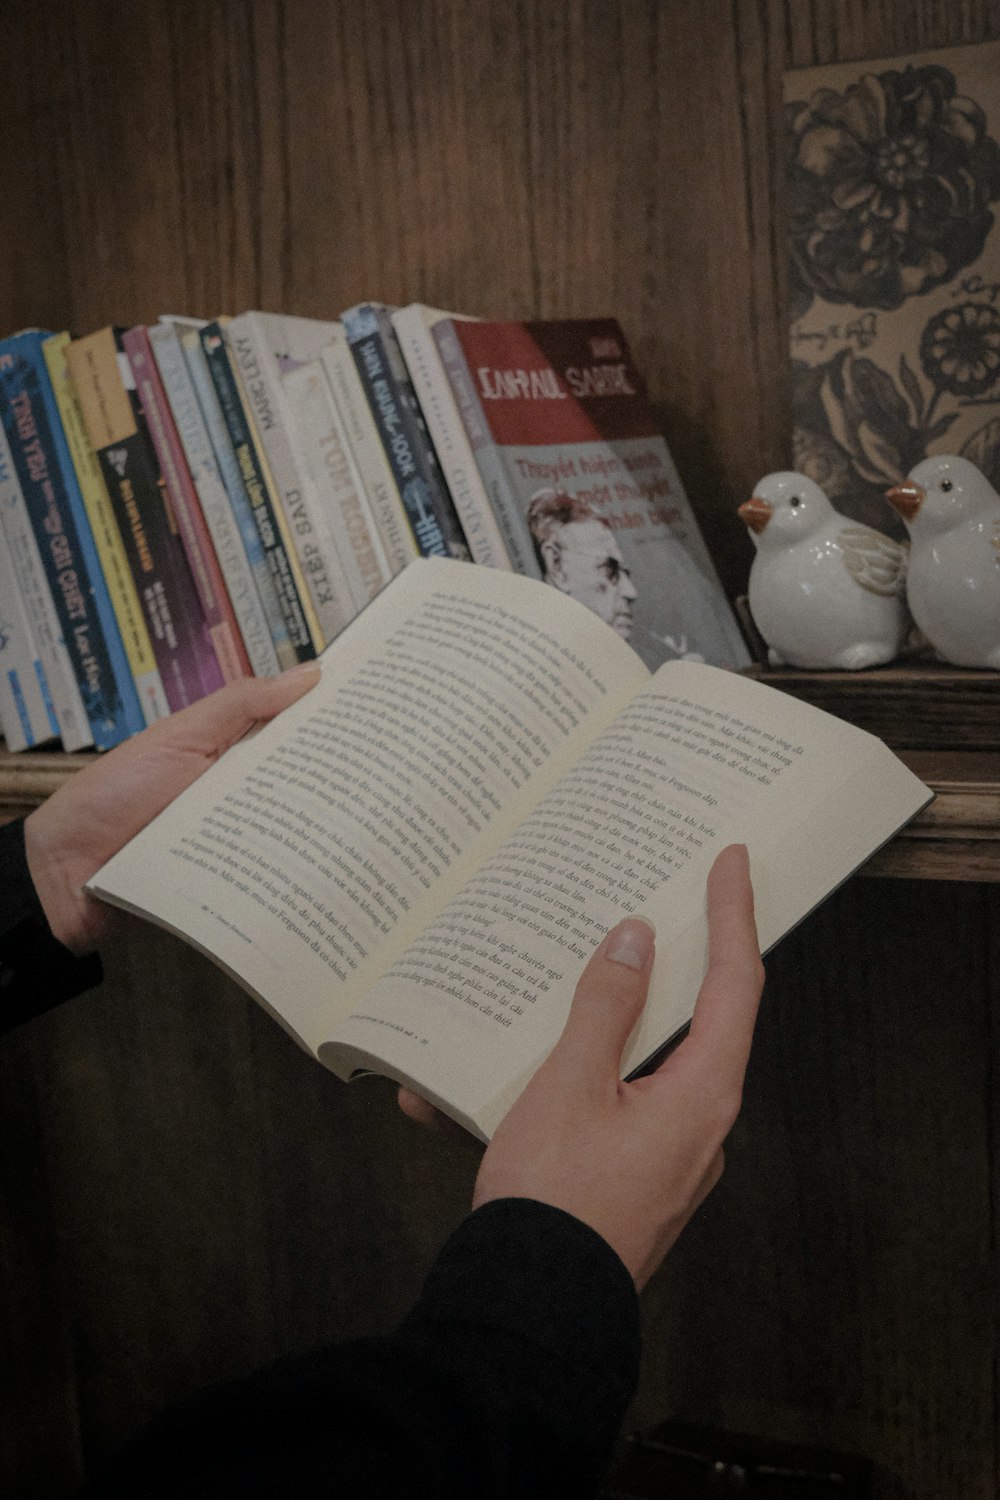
x=190 y=502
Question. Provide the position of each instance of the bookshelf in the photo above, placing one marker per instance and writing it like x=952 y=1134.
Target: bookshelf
x=956 y=838
x=188 y=1195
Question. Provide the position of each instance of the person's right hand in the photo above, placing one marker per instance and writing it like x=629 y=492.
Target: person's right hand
x=634 y=1160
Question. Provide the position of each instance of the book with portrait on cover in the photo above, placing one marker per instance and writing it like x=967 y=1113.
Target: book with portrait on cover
x=410 y=866
x=582 y=483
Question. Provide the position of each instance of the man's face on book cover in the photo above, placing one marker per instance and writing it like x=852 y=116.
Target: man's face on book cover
x=584 y=560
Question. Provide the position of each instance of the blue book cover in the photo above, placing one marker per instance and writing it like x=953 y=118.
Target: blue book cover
x=52 y=496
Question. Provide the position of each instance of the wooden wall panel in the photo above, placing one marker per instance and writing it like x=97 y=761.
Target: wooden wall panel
x=841 y=1285
x=187 y=1194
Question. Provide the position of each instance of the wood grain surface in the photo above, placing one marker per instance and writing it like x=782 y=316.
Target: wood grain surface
x=183 y=1192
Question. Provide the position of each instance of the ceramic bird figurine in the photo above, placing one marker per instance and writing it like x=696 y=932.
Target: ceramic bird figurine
x=952 y=513
x=824 y=590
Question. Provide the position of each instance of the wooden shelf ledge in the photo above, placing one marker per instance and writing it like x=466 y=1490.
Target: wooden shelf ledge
x=920 y=706
x=956 y=838
x=944 y=722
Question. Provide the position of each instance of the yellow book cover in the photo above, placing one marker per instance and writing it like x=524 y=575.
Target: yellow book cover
x=107 y=538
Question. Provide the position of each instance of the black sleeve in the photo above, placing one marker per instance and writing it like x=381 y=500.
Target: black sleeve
x=508 y=1380
x=36 y=971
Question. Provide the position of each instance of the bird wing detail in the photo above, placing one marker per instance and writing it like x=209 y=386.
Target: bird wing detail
x=875 y=561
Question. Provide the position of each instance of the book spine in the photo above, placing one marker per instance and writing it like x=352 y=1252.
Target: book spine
x=184 y=602
x=239 y=434
x=212 y=596
x=447 y=433
x=378 y=485
x=489 y=460
x=122 y=687
x=40 y=608
x=27 y=717
x=164 y=584
x=86 y=620
x=261 y=382
x=192 y=434
x=305 y=598
x=319 y=432
x=241 y=510
x=429 y=509
x=107 y=537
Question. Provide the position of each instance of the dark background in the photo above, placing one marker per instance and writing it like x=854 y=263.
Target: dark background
x=183 y=1194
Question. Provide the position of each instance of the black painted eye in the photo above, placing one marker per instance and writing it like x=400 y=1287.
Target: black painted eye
x=946 y=485
x=795 y=502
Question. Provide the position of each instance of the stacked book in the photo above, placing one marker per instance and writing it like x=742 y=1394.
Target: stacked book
x=191 y=502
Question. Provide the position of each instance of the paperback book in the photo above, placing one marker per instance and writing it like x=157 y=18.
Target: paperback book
x=112 y=415
x=408 y=448
x=45 y=473
x=263 y=503
x=410 y=866
x=378 y=485
x=107 y=537
x=39 y=606
x=414 y=327
x=583 y=484
x=27 y=717
x=265 y=347
x=226 y=465
x=342 y=511
x=182 y=497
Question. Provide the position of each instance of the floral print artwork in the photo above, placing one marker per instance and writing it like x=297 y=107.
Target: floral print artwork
x=893 y=192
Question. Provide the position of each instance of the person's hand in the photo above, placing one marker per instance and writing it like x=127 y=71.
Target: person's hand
x=634 y=1160
x=100 y=808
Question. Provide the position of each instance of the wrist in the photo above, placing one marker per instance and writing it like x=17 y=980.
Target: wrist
x=62 y=899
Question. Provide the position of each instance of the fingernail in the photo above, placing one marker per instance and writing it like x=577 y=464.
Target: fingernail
x=632 y=943
x=301 y=668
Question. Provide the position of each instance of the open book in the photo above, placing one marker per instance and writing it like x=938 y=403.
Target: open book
x=410 y=866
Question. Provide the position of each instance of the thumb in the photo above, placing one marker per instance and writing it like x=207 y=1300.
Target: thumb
x=214 y=723
x=607 y=1003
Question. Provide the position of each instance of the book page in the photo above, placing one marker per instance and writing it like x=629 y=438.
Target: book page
x=313 y=853
x=699 y=759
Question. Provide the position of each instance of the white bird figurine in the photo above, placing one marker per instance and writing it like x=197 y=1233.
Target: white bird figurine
x=952 y=513
x=824 y=590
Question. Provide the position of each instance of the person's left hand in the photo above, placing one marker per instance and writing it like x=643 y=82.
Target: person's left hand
x=99 y=809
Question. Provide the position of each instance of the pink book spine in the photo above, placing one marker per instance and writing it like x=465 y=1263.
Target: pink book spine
x=183 y=496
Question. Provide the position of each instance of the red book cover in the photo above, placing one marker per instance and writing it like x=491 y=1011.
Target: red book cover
x=568 y=446
x=198 y=546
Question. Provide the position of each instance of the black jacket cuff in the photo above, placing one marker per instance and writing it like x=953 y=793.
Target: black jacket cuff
x=36 y=971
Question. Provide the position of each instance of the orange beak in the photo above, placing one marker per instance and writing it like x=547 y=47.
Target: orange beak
x=755 y=513
x=906 y=499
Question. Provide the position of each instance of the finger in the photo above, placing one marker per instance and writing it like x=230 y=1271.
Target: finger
x=726 y=1008
x=711 y=1179
x=608 y=1001
x=418 y=1109
x=214 y=723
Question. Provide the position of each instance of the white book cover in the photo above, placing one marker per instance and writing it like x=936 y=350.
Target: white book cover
x=341 y=508
x=232 y=479
x=369 y=454
x=414 y=329
x=27 y=717
x=265 y=347
x=214 y=500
